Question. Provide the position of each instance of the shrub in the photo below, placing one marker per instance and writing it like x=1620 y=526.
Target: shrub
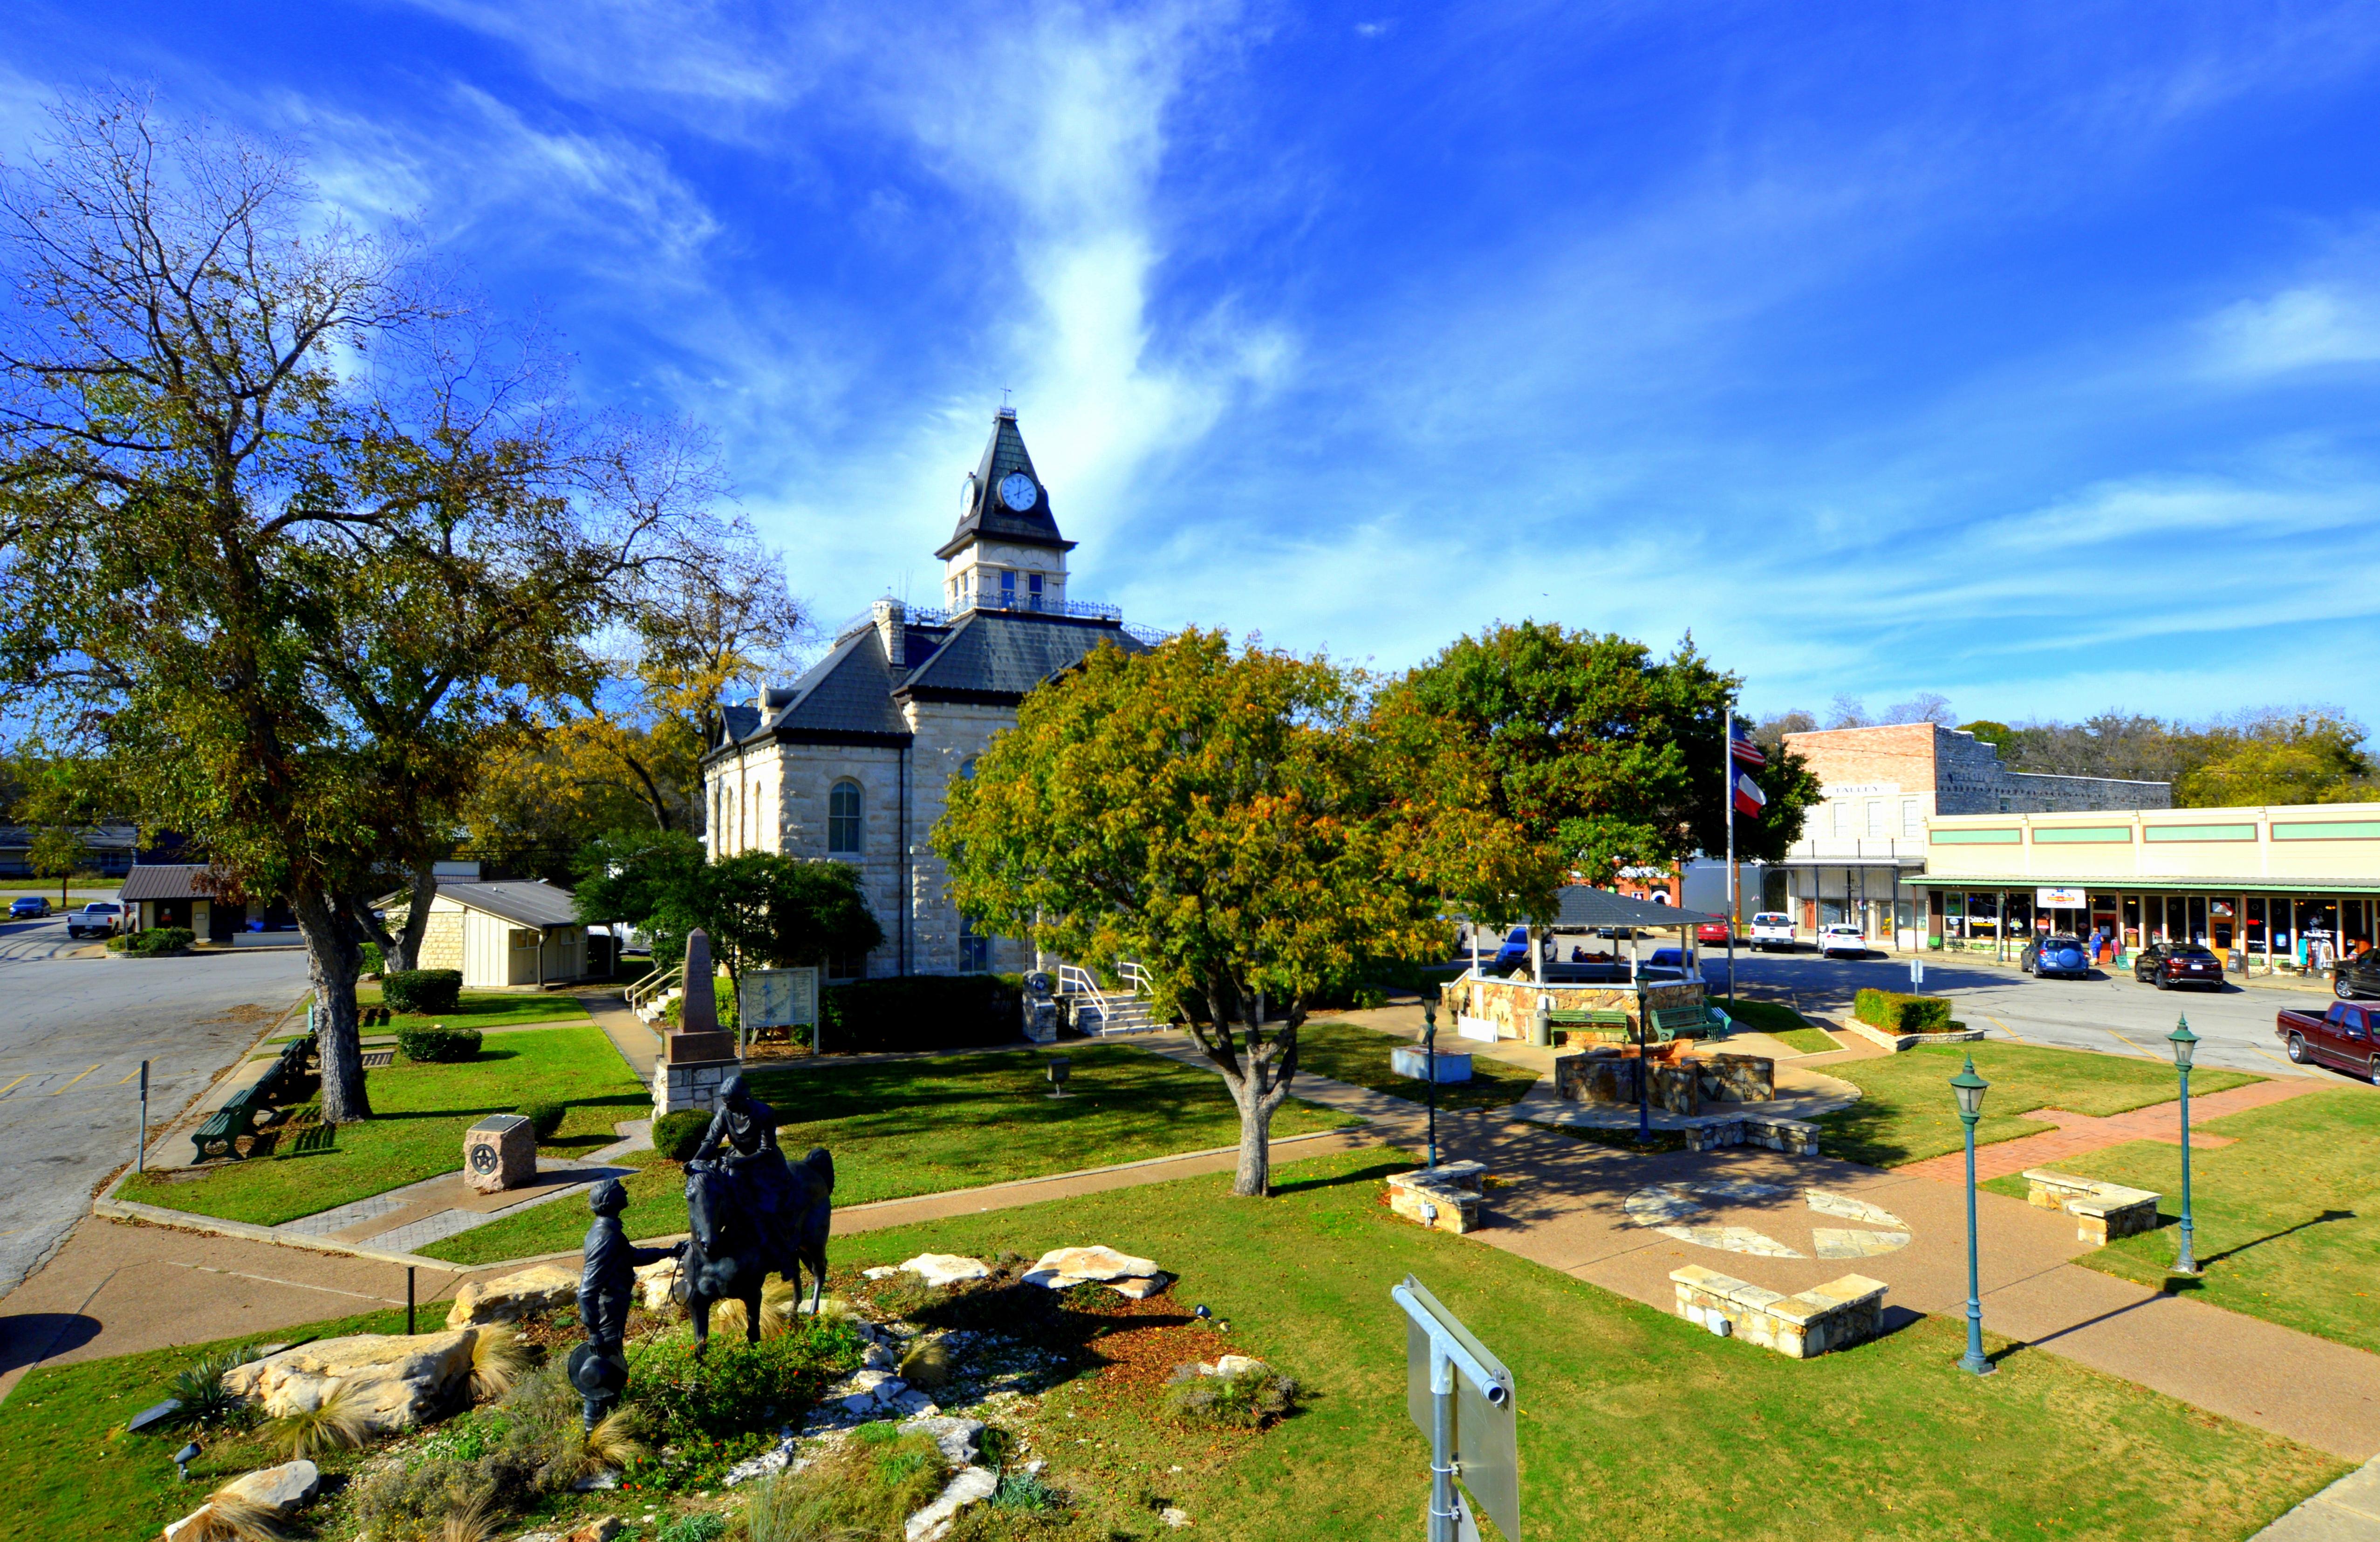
x=1897 y=1012
x=920 y=1011
x=741 y=1387
x=544 y=1117
x=491 y=1462
x=199 y=1390
x=423 y=989
x=692 y=1528
x=435 y=1044
x=866 y=1487
x=1243 y=1400
x=675 y=1134
x=159 y=939
x=375 y=963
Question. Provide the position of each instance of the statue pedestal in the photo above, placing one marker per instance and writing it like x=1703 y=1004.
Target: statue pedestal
x=689 y=1070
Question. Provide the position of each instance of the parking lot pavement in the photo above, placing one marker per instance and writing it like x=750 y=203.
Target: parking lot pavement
x=73 y=1032
x=2109 y=1012
x=25 y=942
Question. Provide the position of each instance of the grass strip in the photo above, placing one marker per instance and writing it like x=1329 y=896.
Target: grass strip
x=1907 y=1112
x=420 y=1114
x=2284 y=1224
x=1359 y=1056
x=905 y=1128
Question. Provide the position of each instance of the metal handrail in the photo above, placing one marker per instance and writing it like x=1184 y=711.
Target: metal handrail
x=652 y=986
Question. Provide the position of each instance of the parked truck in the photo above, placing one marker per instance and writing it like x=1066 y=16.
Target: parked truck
x=2339 y=1038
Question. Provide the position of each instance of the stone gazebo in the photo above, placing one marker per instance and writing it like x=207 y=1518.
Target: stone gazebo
x=1485 y=1007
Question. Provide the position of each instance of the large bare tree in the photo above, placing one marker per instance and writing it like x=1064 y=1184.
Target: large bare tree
x=286 y=531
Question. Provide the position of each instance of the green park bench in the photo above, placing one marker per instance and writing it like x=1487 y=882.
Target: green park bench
x=1602 y=1019
x=1690 y=1022
x=226 y=1125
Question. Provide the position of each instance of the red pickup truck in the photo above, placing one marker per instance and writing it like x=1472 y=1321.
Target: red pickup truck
x=2340 y=1038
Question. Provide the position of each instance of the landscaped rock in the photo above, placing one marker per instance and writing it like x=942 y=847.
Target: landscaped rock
x=391 y=1381
x=1064 y=1267
x=947 y=1268
x=933 y=1522
x=1238 y=1364
x=285 y=1487
x=656 y=1284
x=531 y=1292
x=600 y=1529
x=1141 y=1290
x=957 y=1437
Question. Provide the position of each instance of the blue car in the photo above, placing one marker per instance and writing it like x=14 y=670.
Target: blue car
x=1515 y=950
x=2062 y=956
x=28 y=906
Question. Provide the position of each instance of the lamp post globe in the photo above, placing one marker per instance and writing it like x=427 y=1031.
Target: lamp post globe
x=2185 y=1047
x=1969 y=1089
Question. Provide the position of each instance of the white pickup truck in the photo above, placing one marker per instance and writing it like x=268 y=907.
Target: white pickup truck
x=99 y=918
x=1772 y=928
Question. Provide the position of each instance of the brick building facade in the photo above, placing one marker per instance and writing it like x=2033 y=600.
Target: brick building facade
x=852 y=761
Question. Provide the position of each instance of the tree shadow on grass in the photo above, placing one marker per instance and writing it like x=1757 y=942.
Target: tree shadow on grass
x=1373 y=1173
x=2189 y=1282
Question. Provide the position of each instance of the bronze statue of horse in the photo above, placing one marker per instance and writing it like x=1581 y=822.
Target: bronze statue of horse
x=729 y=1257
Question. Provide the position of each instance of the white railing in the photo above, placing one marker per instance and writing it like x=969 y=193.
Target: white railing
x=1134 y=976
x=643 y=993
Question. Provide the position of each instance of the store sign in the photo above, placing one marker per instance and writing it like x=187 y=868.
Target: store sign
x=2060 y=899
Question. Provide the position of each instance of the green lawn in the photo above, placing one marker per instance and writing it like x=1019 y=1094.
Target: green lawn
x=1634 y=1424
x=72 y=1470
x=420 y=1114
x=2287 y=1225
x=1779 y=1022
x=484 y=1009
x=1350 y=1053
x=923 y=1126
x=1907 y=1112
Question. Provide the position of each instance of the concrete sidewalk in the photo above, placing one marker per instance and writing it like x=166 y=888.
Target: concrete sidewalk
x=2079 y=1132
x=2348 y=1511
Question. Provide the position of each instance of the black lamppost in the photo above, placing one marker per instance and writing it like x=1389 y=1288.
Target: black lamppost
x=1429 y=1071
x=1644 y=1065
x=1970 y=1088
x=2185 y=1045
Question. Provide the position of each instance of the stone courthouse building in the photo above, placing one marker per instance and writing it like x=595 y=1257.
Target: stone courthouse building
x=851 y=762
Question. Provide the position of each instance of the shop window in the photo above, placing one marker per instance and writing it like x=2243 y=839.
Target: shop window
x=842 y=820
x=2131 y=921
x=2252 y=928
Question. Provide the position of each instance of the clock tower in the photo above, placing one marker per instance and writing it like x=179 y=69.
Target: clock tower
x=1006 y=554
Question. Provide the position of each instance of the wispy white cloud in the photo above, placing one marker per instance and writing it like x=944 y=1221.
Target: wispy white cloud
x=2295 y=329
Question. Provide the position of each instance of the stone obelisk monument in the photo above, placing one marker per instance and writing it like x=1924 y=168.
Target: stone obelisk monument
x=696 y=1055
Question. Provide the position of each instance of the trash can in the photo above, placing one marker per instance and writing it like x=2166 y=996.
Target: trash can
x=1541 y=1033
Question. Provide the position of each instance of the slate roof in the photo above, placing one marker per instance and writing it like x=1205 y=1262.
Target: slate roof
x=986 y=514
x=1584 y=906
x=852 y=694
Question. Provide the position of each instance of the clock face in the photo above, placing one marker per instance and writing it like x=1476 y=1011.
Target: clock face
x=1016 y=489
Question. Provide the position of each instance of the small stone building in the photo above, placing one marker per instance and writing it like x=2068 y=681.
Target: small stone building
x=850 y=763
x=509 y=932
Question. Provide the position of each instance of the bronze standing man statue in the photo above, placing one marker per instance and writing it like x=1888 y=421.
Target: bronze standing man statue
x=607 y=1288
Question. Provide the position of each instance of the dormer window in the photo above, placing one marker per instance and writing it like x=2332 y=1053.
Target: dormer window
x=1033 y=591
x=1007 y=589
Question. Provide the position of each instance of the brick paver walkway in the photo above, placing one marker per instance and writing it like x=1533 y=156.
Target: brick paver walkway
x=2079 y=1133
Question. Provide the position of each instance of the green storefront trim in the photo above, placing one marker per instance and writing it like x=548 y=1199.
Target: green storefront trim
x=2198 y=831
x=2108 y=885
x=2006 y=836
x=2335 y=829
x=2101 y=834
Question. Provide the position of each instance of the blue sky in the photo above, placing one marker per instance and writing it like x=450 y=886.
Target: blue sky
x=2028 y=353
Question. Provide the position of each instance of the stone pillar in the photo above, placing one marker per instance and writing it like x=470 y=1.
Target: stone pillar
x=695 y=1056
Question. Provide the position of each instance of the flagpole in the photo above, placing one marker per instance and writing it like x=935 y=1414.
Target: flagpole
x=1727 y=792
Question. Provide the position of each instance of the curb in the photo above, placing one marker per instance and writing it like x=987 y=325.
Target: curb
x=1897 y=1042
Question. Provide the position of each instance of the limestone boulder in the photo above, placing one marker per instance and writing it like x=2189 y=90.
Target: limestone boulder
x=509 y=1298
x=959 y=1439
x=1141 y=1290
x=1064 y=1267
x=396 y=1381
x=947 y=1268
x=933 y=1522
x=656 y=1284
x=286 y=1489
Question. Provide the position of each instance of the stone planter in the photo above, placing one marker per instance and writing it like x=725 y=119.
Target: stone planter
x=1900 y=1041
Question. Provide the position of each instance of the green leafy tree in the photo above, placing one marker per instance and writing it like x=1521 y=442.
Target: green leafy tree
x=1229 y=822
x=1603 y=755
x=2281 y=759
x=287 y=534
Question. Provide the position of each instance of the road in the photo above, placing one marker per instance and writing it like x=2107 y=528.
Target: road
x=2110 y=1013
x=73 y=1032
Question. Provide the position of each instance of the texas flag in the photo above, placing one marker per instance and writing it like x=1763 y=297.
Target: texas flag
x=1749 y=800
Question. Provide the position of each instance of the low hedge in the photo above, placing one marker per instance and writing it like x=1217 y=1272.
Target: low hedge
x=1898 y=1012
x=544 y=1117
x=438 y=1045
x=675 y=1134
x=422 y=989
x=920 y=1011
x=159 y=939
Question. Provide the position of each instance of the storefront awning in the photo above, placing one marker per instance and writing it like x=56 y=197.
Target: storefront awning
x=2163 y=884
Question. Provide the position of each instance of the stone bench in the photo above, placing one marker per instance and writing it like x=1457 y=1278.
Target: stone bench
x=1447 y=1199
x=1795 y=1137
x=1833 y=1315
x=2100 y=1210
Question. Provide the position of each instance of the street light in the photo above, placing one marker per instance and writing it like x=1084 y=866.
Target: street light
x=2185 y=1045
x=1429 y=1068
x=1970 y=1088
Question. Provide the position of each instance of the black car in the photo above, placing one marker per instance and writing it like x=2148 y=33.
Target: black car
x=2359 y=975
x=2165 y=964
x=2045 y=956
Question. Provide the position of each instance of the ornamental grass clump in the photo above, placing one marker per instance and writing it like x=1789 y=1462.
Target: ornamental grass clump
x=229 y=1517
x=865 y=1488
x=1245 y=1399
x=203 y=1398
x=339 y=1423
x=498 y=1358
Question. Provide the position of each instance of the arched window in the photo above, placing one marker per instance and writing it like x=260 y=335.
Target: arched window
x=842 y=820
x=966 y=767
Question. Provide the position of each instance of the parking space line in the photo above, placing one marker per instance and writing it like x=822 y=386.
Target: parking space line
x=55 y=1090
x=2112 y=1032
x=129 y=1074
x=11 y=1086
x=2003 y=1028
x=2277 y=1060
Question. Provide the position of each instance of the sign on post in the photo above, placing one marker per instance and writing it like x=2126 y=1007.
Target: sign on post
x=1463 y=1397
x=777 y=998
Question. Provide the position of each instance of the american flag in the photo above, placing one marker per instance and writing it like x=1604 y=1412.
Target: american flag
x=1740 y=745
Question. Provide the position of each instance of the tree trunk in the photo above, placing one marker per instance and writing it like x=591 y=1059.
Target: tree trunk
x=406 y=954
x=335 y=955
